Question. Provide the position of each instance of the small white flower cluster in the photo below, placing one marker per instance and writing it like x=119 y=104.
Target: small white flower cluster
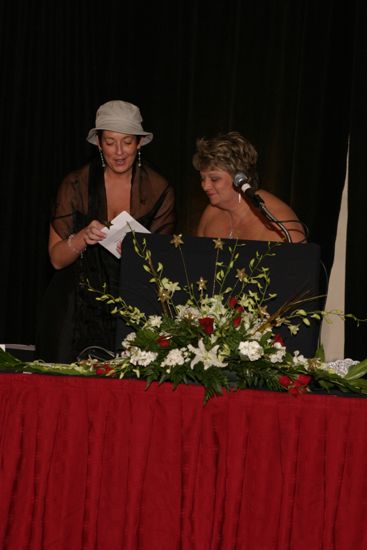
x=250 y=350
x=187 y=311
x=135 y=355
x=299 y=360
x=140 y=357
x=340 y=366
x=154 y=321
x=278 y=355
x=128 y=340
x=175 y=357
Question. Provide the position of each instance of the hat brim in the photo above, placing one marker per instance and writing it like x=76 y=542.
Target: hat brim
x=93 y=139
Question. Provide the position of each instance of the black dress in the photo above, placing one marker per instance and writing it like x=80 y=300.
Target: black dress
x=71 y=319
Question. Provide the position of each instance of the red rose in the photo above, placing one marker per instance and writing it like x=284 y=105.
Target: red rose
x=232 y=302
x=236 y=321
x=285 y=381
x=302 y=380
x=102 y=369
x=207 y=324
x=295 y=387
x=163 y=342
x=278 y=339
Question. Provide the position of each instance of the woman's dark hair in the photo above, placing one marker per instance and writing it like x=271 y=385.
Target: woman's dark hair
x=100 y=132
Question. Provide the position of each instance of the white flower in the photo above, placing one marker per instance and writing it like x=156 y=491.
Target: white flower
x=250 y=350
x=340 y=366
x=246 y=320
x=153 y=321
x=186 y=311
x=141 y=357
x=209 y=358
x=299 y=359
x=279 y=354
x=213 y=307
x=175 y=357
x=170 y=286
x=128 y=341
x=136 y=315
x=293 y=329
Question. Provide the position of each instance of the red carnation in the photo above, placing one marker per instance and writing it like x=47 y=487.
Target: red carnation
x=163 y=342
x=207 y=324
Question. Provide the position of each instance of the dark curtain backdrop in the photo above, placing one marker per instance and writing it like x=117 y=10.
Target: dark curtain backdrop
x=286 y=74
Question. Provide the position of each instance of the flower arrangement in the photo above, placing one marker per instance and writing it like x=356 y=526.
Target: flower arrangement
x=224 y=339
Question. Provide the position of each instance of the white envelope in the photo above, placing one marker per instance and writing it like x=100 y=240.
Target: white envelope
x=122 y=224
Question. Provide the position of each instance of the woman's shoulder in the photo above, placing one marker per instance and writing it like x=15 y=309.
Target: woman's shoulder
x=273 y=202
x=76 y=176
x=73 y=190
x=212 y=211
x=74 y=185
x=285 y=215
x=151 y=174
x=212 y=222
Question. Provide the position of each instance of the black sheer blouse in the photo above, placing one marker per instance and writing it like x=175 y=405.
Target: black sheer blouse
x=72 y=319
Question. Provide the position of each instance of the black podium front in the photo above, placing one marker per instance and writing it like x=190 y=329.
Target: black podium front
x=294 y=271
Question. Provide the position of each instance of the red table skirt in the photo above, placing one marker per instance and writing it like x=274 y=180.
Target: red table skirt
x=99 y=464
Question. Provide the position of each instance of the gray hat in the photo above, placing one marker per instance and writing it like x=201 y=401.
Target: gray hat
x=119 y=116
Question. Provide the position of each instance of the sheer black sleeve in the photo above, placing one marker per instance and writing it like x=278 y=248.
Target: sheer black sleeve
x=71 y=204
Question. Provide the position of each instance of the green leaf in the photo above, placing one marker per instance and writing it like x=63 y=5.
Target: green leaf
x=6 y=357
x=320 y=353
x=356 y=371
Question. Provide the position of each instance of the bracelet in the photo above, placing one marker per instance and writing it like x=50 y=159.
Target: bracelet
x=70 y=245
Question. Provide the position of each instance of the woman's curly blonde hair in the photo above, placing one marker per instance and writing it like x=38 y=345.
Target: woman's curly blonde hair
x=230 y=152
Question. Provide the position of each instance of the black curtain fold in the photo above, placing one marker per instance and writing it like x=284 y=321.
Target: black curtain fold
x=280 y=72
x=356 y=263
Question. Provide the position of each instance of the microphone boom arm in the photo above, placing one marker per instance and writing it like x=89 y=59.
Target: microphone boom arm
x=269 y=216
x=242 y=181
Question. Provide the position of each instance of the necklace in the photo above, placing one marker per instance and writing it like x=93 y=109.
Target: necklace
x=232 y=228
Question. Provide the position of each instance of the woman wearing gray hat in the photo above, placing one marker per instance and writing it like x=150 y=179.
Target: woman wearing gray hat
x=116 y=180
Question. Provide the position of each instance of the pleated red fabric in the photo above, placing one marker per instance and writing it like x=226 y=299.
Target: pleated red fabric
x=103 y=464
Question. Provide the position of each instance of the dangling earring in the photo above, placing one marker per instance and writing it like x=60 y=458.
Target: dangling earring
x=102 y=158
x=139 y=158
x=239 y=198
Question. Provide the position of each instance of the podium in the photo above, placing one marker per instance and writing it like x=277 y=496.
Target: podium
x=294 y=271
